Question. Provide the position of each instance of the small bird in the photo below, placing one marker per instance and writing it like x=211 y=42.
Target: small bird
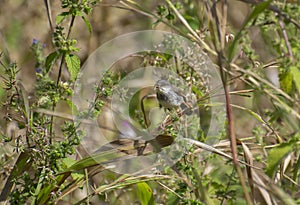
x=170 y=98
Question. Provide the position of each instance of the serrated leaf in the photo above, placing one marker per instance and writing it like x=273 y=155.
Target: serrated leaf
x=296 y=76
x=73 y=65
x=256 y=11
x=60 y=17
x=50 y=60
x=144 y=193
x=276 y=155
x=87 y=24
x=286 y=82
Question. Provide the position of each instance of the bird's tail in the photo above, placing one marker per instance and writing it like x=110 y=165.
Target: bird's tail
x=186 y=108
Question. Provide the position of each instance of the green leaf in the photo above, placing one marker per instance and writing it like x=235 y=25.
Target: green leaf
x=144 y=193
x=276 y=155
x=39 y=185
x=60 y=17
x=79 y=13
x=286 y=81
x=256 y=11
x=296 y=76
x=2 y=93
x=172 y=199
x=72 y=106
x=69 y=162
x=44 y=194
x=87 y=24
x=22 y=164
x=73 y=65
x=50 y=60
x=102 y=157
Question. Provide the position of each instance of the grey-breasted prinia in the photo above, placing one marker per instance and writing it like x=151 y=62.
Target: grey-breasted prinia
x=170 y=97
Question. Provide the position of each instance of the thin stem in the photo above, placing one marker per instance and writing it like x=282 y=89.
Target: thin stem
x=231 y=131
x=71 y=26
x=276 y=10
x=59 y=77
x=149 y=14
x=286 y=39
x=186 y=24
x=64 y=54
x=47 y=4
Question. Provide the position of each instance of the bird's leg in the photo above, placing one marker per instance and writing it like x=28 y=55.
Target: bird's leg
x=170 y=119
x=179 y=113
x=140 y=147
x=166 y=122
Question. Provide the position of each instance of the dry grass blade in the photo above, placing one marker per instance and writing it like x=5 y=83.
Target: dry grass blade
x=259 y=193
x=269 y=188
x=216 y=151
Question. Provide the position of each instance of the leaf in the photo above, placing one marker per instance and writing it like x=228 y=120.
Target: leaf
x=73 y=65
x=2 y=92
x=276 y=155
x=22 y=164
x=144 y=193
x=256 y=11
x=286 y=81
x=172 y=199
x=69 y=162
x=87 y=24
x=79 y=13
x=44 y=194
x=60 y=17
x=102 y=157
x=39 y=185
x=72 y=106
x=50 y=60
x=296 y=76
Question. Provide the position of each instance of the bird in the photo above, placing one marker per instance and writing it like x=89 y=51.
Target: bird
x=169 y=97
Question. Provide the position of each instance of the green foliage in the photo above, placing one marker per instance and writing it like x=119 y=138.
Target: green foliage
x=73 y=64
x=62 y=43
x=45 y=149
x=277 y=155
x=50 y=60
x=144 y=193
x=296 y=76
x=261 y=7
x=286 y=81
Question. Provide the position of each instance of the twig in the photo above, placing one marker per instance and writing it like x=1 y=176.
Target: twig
x=220 y=57
x=276 y=10
x=49 y=14
x=286 y=40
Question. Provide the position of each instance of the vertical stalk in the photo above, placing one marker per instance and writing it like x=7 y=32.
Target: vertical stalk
x=59 y=76
x=219 y=46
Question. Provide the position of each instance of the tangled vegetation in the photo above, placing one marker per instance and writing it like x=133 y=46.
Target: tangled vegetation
x=256 y=54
